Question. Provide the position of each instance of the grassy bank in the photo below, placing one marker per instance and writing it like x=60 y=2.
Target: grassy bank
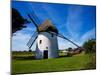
x=25 y=63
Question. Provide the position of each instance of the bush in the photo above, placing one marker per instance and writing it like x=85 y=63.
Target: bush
x=30 y=50
x=90 y=46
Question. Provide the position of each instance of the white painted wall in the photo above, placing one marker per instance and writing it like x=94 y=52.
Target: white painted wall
x=47 y=41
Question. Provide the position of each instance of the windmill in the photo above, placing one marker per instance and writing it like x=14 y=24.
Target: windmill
x=46 y=38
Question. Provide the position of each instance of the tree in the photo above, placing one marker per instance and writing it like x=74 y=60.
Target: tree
x=70 y=49
x=30 y=50
x=18 y=22
x=90 y=46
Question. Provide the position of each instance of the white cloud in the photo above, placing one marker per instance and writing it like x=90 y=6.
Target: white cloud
x=88 y=35
x=73 y=21
x=19 y=41
x=64 y=44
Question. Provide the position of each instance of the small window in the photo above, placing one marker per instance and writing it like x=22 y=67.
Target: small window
x=40 y=41
x=46 y=47
x=51 y=35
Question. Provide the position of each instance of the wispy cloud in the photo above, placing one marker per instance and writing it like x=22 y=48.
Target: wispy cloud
x=21 y=38
x=73 y=21
x=19 y=41
x=63 y=44
x=89 y=35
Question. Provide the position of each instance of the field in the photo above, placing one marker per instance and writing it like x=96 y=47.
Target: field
x=24 y=62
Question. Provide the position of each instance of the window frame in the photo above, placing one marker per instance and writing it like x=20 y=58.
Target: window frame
x=40 y=41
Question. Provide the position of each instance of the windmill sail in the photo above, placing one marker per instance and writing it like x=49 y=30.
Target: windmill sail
x=32 y=40
x=67 y=39
x=61 y=36
x=35 y=17
x=34 y=22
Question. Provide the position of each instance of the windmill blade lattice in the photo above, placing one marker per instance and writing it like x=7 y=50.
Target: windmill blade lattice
x=34 y=22
x=61 y=36
x=32 y=40
x=35 y=17
x=68 y=40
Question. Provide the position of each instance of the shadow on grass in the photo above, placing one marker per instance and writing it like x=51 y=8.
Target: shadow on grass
x=62 y=56
x=24 y=58
x=32 y=57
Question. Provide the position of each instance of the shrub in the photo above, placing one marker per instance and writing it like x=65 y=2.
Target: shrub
x=90 y=46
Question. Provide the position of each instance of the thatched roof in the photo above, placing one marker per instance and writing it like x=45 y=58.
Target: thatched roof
x=47 y=26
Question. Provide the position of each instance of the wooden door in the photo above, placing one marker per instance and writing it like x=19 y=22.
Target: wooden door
x=45 y=54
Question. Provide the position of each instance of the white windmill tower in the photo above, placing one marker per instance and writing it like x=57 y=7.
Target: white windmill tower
x=46 y=39
x=47 y=43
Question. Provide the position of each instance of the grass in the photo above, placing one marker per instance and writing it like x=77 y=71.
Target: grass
x=25 y=63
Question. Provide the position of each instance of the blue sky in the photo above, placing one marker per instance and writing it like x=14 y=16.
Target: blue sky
x=76 y=22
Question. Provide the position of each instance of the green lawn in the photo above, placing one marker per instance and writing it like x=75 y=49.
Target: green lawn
x=25 y=63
